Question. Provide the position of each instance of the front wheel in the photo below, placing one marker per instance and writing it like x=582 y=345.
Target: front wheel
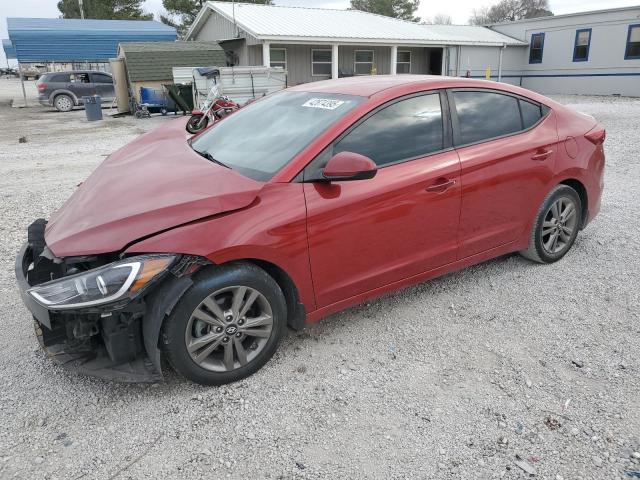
x=227 y=325
x=556 y=226
x=197 y=123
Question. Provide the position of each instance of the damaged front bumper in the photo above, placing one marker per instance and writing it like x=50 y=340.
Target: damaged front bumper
x=117 y=341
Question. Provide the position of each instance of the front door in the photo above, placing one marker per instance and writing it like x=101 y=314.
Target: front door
x=507 y=147
x=81 y=85
x=103 y=85
x=365 y=234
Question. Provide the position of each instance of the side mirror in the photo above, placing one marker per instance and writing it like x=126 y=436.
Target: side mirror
x=349 y=166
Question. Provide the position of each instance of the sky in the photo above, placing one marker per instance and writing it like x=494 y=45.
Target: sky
x=459 y=10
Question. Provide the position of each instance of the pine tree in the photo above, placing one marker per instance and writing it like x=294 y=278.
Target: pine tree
x=105 y=9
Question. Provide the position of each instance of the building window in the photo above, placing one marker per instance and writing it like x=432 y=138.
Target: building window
x=320 y=63
x=363 y=62
x=582 y=44
x=403 y=64
x=535 y=49
x=278 y=58
x=633 y=43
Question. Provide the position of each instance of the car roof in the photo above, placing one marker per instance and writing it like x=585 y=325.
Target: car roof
x=370 y=85
x=78 y=71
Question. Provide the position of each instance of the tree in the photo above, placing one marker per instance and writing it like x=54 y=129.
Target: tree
x=105 y=9
x=403 y=9
x=439 y=19
x=182 y=13
x=510 y=10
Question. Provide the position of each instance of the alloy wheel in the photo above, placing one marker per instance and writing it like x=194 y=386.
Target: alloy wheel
x=559 y=225
x=229 y=328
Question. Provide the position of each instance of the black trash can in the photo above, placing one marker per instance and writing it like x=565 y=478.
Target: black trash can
x=93 y=107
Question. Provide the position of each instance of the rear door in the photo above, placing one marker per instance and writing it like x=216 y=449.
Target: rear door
x=103 y=85
x=365 y=234
x=507 y=146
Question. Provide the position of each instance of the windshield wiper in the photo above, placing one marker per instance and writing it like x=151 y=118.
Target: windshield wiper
x=210 y=157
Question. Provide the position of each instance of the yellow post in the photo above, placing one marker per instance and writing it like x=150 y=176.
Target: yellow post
x=487 y=73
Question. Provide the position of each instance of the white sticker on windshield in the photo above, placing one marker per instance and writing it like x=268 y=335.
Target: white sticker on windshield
x=324 y=103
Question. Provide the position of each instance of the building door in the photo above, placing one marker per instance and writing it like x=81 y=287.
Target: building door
x=435 y=61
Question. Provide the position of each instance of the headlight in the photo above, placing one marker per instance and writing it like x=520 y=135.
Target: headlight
x=124 y=278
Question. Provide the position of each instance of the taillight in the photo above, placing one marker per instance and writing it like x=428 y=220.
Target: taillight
x=596 y=135
x=41 y=86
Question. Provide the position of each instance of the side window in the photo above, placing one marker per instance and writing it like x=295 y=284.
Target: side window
x=320 y=63
x=60 y=78
x=633 y=43
x=101 y=78
x=80 y=78
x=363 y=62
x=531 y=113
x=406 y=129
x=536 y=47
x=581 y=46
x=484 y=115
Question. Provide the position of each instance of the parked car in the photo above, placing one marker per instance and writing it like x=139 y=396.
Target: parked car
x=64 y=90
x=33 y=71
x=297 y=206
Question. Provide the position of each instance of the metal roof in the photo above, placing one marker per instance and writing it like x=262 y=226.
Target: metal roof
x=153 y=61
x=57 y=39
x=280 y=23
x=567 y=15
x=9 y=49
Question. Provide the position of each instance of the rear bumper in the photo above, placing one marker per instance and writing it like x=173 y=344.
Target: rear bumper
x=44 y=100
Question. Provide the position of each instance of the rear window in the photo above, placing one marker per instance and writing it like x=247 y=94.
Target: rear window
x=59 y=78
x=531 y=113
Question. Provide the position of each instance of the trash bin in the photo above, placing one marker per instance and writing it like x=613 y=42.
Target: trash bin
x=182 y=95
x=93 y=107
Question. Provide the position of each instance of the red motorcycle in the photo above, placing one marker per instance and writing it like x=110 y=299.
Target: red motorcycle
x=214 y=108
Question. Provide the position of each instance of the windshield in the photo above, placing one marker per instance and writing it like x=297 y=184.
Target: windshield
x=261 y=138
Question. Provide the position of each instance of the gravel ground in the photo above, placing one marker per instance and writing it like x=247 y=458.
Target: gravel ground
x=455 y=378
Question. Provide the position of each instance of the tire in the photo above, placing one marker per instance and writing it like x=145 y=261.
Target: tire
x=63 y=103
x=252 y=339
x=197 y=123
x=556 y=226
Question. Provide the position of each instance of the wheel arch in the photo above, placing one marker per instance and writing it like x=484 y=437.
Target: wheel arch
x=295 y=309
x=579 y=187
x=56 y=93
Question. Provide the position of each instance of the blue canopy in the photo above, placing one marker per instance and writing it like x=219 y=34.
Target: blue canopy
x=68 y=40
x=9 y=49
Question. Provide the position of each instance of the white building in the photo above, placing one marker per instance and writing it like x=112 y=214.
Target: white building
x=594 y=53
x=316 y=44
x=586 y=53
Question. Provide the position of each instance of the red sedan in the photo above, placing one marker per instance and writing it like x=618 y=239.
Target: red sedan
x=301 y=204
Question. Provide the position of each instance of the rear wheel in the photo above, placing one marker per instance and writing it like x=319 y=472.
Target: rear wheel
x=227 y=326
x=556 y=226
x=197 y=123
x=63 y=103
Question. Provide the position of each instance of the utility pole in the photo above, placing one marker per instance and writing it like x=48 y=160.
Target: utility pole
x=81 y=9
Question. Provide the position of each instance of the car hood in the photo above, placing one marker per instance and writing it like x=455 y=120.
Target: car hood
x=155 y=183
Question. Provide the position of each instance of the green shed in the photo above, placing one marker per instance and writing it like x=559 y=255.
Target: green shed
x=150 y=64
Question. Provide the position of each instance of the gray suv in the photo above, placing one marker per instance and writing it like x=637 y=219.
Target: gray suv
x=64 y=90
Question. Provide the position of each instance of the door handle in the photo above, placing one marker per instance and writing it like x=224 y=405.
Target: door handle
x=441 y=185
x=541 y=155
